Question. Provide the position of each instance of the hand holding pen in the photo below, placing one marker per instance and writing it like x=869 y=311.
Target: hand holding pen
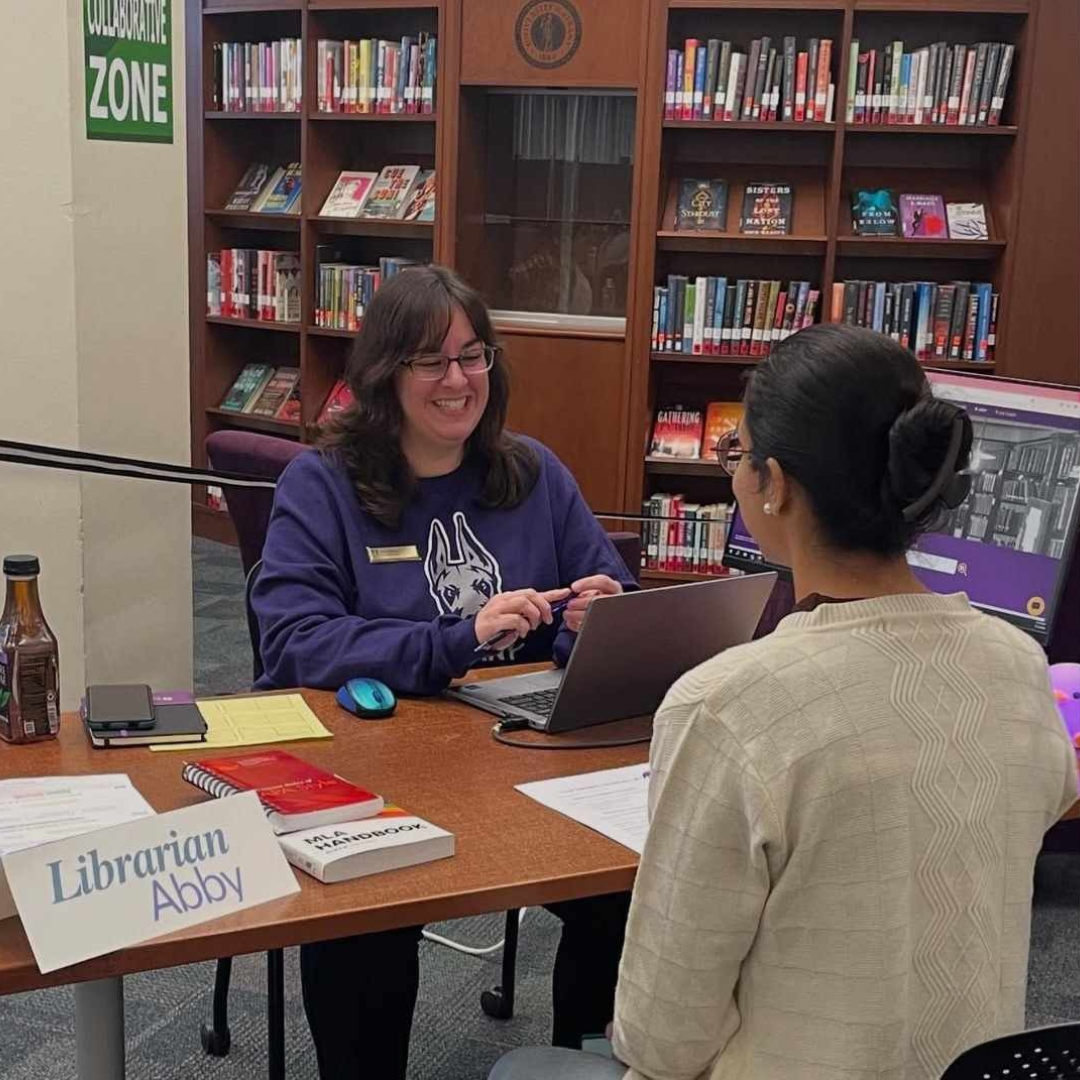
x=511 y=615
x=534 y=608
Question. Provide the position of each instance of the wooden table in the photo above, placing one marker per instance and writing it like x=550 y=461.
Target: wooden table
x=436 y=758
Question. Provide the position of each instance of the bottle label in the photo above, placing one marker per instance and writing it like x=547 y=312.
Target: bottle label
x=5 y=694
x=35 y=694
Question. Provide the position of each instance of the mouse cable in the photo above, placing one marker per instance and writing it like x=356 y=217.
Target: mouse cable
x=498 y=729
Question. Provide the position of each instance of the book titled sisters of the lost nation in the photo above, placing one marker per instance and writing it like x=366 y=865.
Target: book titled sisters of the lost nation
x=766 y=209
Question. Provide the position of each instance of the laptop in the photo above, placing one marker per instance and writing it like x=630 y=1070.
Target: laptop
x=630 y=649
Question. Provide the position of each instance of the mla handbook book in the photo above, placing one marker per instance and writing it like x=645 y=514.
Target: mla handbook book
x=390 y=840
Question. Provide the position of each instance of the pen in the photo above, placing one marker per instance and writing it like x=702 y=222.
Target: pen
x=487 y=643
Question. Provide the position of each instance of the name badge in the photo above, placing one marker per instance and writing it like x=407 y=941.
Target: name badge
x=100 y=891
x=402 y=553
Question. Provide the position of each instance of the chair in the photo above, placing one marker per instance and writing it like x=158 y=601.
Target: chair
x=1036 y=1054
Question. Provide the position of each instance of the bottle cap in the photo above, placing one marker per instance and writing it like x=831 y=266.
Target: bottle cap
x=21 y=565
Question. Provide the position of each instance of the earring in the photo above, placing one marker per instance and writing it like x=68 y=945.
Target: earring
x=767 y=508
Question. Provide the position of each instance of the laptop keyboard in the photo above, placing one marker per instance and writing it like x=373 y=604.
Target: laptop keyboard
x=540 y=702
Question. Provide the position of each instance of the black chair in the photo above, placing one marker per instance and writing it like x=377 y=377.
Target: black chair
x=1028 y=1055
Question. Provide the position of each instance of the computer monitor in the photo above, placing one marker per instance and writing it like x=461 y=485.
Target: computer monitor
x=1009 y=545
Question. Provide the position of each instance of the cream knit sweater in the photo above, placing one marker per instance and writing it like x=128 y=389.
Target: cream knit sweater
x=844 y=822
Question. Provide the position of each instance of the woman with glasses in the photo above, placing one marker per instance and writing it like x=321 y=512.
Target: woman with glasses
x=420 y=532
x=845 y=814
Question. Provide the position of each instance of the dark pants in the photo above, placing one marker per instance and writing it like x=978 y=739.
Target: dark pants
x=359 y=992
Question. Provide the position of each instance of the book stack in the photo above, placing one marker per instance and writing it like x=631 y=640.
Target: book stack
x=258 y=76
x=266 y=390
x=376 y=76
x=692 y=543
x=712 y=80
x=250 y=283
x=266 y=190
x=952 y=321
x=719 y=316
x=937 y=84
x=327 y=827
x=344 y=290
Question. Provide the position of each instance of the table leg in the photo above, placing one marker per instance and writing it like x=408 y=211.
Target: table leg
x=99 y=1029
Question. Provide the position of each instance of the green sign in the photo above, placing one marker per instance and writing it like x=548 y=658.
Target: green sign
x=128 y=70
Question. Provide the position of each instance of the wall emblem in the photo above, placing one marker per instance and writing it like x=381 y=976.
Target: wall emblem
x=547 y=32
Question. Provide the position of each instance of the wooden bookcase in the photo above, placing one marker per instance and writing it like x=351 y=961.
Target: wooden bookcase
x=221 y=145
x=823 y=161
x=591 y=396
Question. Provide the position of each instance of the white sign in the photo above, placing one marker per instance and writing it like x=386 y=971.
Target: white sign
x=614 y=802
x=40 y=809
x=101 y=891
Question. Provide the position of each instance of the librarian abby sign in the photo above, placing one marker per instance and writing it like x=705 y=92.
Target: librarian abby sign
x=180 y=880
x=128 y=46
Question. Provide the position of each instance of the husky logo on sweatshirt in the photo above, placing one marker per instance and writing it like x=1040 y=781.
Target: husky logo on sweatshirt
x=464 y=578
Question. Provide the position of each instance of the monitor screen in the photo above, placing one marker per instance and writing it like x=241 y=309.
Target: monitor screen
x=1009 y=544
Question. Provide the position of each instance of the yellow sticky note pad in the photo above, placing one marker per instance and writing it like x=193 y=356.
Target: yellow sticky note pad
x=252 y=721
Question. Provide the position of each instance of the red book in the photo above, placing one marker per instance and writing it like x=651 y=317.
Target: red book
x=295 y=794
x=800 y=87
x=340 y=398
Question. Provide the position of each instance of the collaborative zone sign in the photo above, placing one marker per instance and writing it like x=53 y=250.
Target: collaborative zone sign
x=128 y=50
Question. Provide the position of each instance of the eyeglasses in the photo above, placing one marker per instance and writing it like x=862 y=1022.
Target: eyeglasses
x=473 y=360
x=729 y=452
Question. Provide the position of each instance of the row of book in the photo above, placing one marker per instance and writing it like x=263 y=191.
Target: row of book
x=253 y=283
x=875 y=213
x=713 y=80
x=687 y=434
x=258 y=76
x=344 y=290
x=692 y=543
x=376 y=76
x=952 y=321
x=266 y=390
x=766 y=207
x=721 y=316
x=264 y=189
x=396 y=193
x=937 y=84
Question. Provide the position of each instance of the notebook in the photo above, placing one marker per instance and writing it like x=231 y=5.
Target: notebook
x=294 y=793
x=182 y=723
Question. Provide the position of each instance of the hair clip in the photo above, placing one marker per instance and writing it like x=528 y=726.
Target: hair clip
x=948 y=485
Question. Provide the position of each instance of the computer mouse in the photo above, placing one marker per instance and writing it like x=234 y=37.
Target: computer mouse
x=367 y=698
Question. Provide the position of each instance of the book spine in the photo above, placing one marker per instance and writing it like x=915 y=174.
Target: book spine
x=920 y=84
x=712 y=57
x=723 y=72
x=669 y=85
x=958 y=319
x=700 y=64
x=854 y=107
x=971 y=325
x=789 y=78
x=766 y=92
x=965 y=90
x=993 y=59
x=943 y=320
x=952 y=115
x=991 y=336
x=813 y=298
x=812 y=50
x=836 y=313
x=757 y=103
x=746 y=92
x=977 y=83
x=779 y=310
x=801 y=63
x=824 y=69
x=701 y=288
x=982 y=323
x=998 y=101
x=857 y=105
x=689 y=67
x=800 y=306
x=731 y=97
x=731 y=295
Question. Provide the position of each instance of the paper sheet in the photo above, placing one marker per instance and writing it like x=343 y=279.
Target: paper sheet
x=614 y=802
x=46 y=808
x=253 y=721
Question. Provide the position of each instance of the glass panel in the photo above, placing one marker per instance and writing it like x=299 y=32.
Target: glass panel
x=557 y=208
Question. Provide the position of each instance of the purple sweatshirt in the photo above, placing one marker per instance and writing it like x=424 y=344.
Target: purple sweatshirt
x=334 y=600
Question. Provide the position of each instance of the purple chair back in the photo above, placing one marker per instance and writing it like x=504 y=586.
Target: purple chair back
x=249 y=508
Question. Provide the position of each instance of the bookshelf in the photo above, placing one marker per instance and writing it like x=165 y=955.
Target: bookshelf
x=823 y=160
x=221 y=145
x=1022 y=170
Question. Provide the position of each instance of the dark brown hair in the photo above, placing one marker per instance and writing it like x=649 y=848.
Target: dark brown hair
x=410 y=314
x=848 y=413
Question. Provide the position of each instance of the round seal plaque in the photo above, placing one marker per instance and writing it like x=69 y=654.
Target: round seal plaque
x=547 y=32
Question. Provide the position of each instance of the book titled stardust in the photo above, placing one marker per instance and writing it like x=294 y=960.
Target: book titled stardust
x=390 y=840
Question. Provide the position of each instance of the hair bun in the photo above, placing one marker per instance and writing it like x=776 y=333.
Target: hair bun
x=929 y=446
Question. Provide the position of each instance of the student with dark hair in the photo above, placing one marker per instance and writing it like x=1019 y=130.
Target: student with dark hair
x=421 y=528
x=844 y=815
